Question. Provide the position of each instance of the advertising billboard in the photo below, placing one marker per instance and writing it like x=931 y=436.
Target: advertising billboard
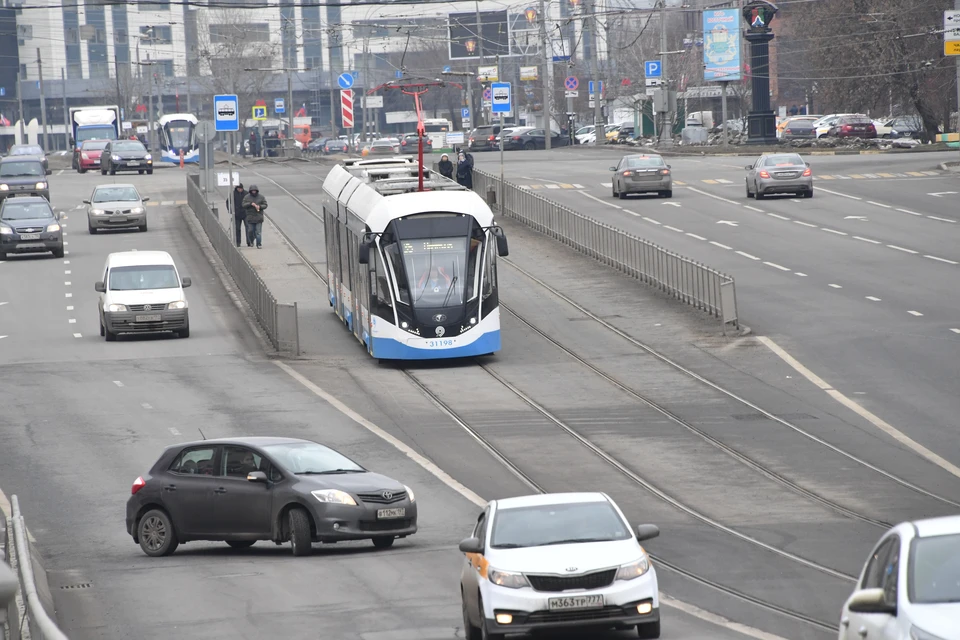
x=721 y=45
x=465 y=36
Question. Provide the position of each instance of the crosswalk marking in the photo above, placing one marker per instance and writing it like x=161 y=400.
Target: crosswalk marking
x=886 y=175
x=566 y=186
x=931 y=173
x=856 y=176
x=709 y=181
x=914 y=173
x=578 y=186
x=827 y=177
x=606 y=184
x=553 y=186
x=722 y=181
x=682 y=184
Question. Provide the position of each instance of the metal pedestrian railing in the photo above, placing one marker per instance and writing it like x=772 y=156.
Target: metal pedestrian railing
x=33 y=623
x=687 y=280
x=278 y=319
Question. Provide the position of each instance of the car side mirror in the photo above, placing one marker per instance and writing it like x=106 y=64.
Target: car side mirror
x=364 y=255
x=668 y=166
x=101 y=287
x=647 y=531
x=471 y=545
x=147 y=199
x=502 y=249
x=257 y=476
x=613 y=168
x=807 y=163
x=748 y=167
x=86 y=202
x=871 y=601
x=73 y=143
x=49 y=171
x=185 y=282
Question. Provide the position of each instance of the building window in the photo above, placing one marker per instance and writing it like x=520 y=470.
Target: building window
x=154 y=5
x=158 y=34
x=23 y=72
x=248 y=32
x=165 y=68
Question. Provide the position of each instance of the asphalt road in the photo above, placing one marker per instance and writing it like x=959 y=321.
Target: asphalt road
x=858 y=283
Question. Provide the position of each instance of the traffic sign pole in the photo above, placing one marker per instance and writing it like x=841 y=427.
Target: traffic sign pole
x=952 y=19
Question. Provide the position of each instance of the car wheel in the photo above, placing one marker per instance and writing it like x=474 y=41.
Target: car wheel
x=81 y=170
x=529 y=146
x=667 y=194
x=149 y=172
x=484 y=633
x=299 y=524
x=747 y=186
x=58 y=253
x=470 y=631
x=241 y=544
x=108 y=335
x=140 y=171
x=808 y=194
x=757 y=193
x=184 y=333
x=156 y=534
x=143 y=227
x=101 y=329
x=113 y=171
x=103 y=172
x=91 y=229
x=650 y=630
x=383 y=542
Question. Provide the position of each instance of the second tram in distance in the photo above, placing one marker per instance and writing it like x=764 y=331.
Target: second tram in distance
x=177 y=132
x=412 y=274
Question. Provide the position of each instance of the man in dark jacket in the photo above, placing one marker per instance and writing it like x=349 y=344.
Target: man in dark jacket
x=254 y=205
x=238 y=213
x=465 y=170
x=445 y=166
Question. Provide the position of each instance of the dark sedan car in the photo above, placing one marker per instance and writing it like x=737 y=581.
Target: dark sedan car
x=125 y=155
x=529 y=138
x=240 y=490
x=384 y=147
x=23 y=176
x=800 y=128
x=33 y=151
x=335 y=145
x=29 y=225
x=853 y=126
x=408 y=144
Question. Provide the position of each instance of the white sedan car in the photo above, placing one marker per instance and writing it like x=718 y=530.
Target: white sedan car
x=557 y=561
x=910 y=586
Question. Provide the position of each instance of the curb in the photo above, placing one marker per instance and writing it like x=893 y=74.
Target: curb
x=760 y=151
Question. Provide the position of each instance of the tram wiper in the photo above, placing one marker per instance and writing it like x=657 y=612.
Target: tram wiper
x=453 y=283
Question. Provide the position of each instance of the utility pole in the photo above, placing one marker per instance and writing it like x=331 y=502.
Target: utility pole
x=366 y=86
x=956 y=5
x=289 y=108
x=43 y=103
x=150 y=139
x=666 y=135
x=116 y=74
x=480 y=47
x=595 y=76
x=333 y=103
x=23 y=133
x=66 y=115
x=546 y=80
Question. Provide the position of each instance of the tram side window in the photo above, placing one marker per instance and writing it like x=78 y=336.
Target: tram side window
x=329 y=233
x=489 y=270
x=380 y=287
x=473 y=259
x=392 y=251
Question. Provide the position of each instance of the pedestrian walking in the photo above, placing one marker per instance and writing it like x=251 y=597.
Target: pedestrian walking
x=239 y=214
x=465 y=170
x=445 y=166
x=254 y=204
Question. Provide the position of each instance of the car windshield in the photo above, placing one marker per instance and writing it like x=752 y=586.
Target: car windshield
x=642 y=161
x=129 y=146
x=542 y=525
x=788 y=160
x=95 y=145
x=934 y=575
x=311 y=458
x=141 y=277
x=26 y=151
x=435 y=270
x=27 y=211
x=18 y=169
x=116 y=194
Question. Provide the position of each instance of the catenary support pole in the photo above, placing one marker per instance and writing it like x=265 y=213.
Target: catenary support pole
x=545 y=78
x=66 y=113
x=43 y=103
x=23 y=133
x=599 y=131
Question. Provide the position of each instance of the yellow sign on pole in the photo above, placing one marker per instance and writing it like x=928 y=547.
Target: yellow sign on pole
x=260 y=112
x=951 y=48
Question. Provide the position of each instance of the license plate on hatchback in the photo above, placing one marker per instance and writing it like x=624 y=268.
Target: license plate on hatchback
x=386 y=514
x=29 y=236
x=133 y=164
x=575 y=602
x=151 y=318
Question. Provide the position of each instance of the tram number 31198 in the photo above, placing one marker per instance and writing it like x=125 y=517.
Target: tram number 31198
x=440 y=344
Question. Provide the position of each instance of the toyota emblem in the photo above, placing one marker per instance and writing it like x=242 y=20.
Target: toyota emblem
x=439 y=317
x=147 y=307
x=440 y=332
x=571 y=569
x=387 y=495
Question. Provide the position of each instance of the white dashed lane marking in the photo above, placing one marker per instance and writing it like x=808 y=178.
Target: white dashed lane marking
x=867 y=240
x=941 y=259
x=747 y=255
x=836 y=286
x=893 y=246
x=776 y=266
x=77 y=335
x=118 y=383
x=722 y=246
x=915 y=313
x=873 y=298
x=955 y=330
x=72 y=321
x=806 y=224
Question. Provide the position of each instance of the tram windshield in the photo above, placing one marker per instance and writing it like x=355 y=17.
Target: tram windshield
x=179 y=135
x=436 y=270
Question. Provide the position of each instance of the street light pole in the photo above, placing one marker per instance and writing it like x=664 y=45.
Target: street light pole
x=546 y=79
x=595 y=76
x=666 y=133
x=43 y=103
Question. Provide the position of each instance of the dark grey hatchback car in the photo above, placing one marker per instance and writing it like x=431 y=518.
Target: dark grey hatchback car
x=241 y=490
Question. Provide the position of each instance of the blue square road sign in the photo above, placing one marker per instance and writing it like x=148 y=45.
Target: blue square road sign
x=465 y=112
x=226 y=113
x=652 y=69
x=278 y=105
x=501 y=97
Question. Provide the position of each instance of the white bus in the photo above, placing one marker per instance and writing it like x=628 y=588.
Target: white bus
x=437 y=130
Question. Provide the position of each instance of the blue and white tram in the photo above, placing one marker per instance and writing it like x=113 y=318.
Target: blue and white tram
x=412 y=274
x=178 y=132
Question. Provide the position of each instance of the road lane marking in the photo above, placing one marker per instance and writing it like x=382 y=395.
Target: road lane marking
x=552 y=186
x=579 y=186
x=797 y=273
x=67 y=272
x=880 y=424
x=68 y=295
x=774 y=215
x=475 y=498
x=609 y=185
x=893 y=246
x=856 y=176
x=60 y=173
x=746 y=206
x=828 y=230
x=3 y=303
x=77 y=335
x=682 y=184
x=915 y=313
x=693 y=235
x=722 y=246
x=915 y=174
x=931 y=173
x=711 y=195
x=118 y=383
x=69 y=307
x=722 y=181
x=913 y=213
x=66 y=262
x=837 y=193
x=593 y=197
x=879 y=204
x=867 y=240
x=72 y=321
x=747 y=255
x=955 y=330
x=66 y=283
x=776 y=266
x=941 y=259
x=886 y=175
x=666 y=226
x=652 y=220
x=709 y=181
x=146 y=405
x=174 y=431
x=873 y=298
x=564 y=185
x=835 y=286
x=806 y=224
x=942 y=219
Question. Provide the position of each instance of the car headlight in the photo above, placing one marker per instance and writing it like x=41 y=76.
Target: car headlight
x=136 y=210
x=920 y=634
x=507 y=579
x=633 y=569
x=6 y=231
x=179 y=304
x=409 y=493
x=41 y=185
x=116 y=158
x=84 y=156
x=53 y=227
x=335 y=496
x=147 y=157
x=4 y=187
x=115 y=308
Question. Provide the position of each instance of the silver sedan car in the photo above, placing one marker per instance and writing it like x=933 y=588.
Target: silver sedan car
x=779 y=173
x=116 y=206
x=642 y=173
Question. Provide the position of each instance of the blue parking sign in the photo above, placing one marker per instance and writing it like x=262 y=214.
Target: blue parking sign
x=652 y=69
x=465 y=112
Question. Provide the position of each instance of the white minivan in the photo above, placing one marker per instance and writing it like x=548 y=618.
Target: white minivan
x=142 y=292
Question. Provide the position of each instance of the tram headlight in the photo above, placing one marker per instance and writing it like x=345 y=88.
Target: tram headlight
x=404 y=325
x=473 y=321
